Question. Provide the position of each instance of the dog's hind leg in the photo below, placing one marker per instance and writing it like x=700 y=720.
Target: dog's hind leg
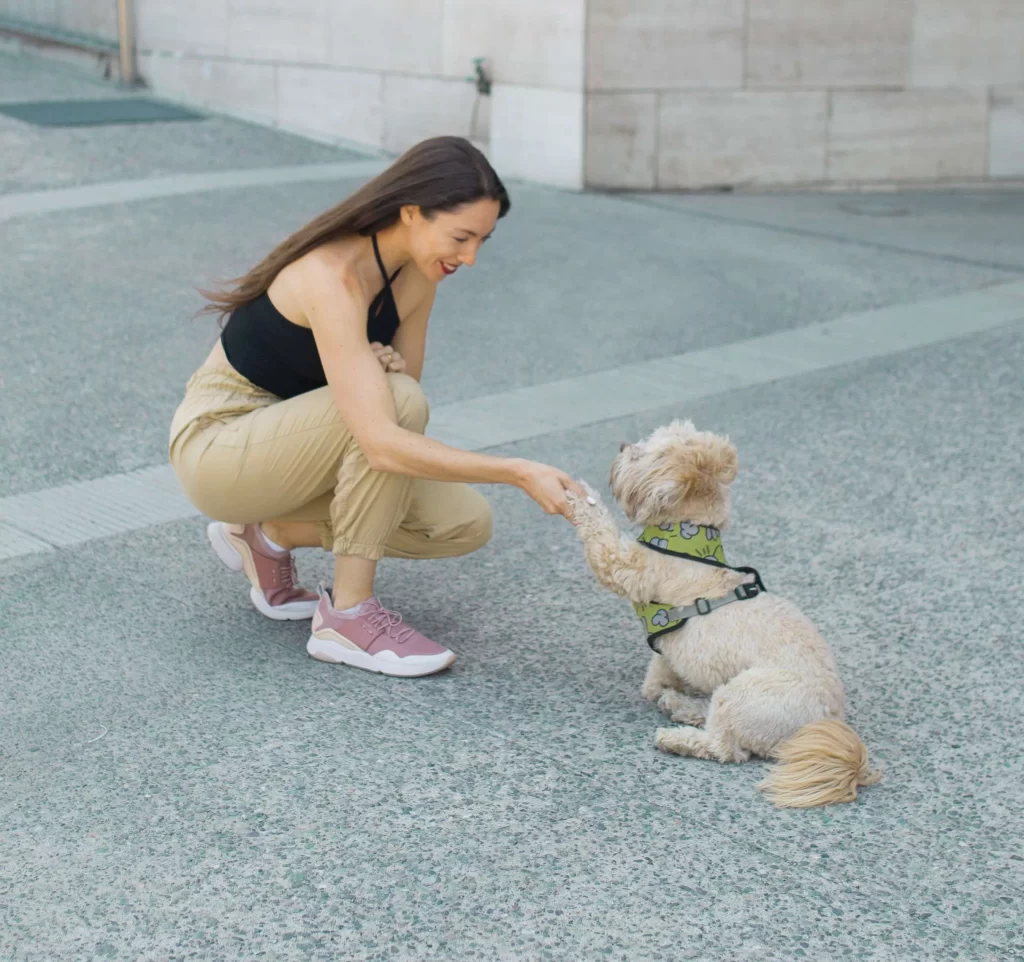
x=686 y=740
x=699 y=743
x=717 y=740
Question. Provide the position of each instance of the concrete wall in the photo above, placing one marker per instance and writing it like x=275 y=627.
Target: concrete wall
x=668 y=94
x=702 y=93
x=90 y=18
x=383 y=73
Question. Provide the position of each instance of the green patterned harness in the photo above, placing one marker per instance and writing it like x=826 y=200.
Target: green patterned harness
x=694 y=542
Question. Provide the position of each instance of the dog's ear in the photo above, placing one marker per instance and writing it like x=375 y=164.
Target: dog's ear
x=700 y=467
x=721 y=460
x=663 y=499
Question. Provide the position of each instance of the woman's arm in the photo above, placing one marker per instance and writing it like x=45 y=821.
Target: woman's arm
x=411 y=339
x=337 y=315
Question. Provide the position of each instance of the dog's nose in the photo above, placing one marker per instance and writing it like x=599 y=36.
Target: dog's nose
x=623 y=446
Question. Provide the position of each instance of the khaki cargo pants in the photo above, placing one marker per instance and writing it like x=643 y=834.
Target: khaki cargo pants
x=243 y=455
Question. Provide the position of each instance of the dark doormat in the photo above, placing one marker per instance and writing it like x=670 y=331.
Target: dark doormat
x=81 y=113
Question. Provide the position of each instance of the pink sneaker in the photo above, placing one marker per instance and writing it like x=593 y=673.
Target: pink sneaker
x=271 y=572
x=373 y=638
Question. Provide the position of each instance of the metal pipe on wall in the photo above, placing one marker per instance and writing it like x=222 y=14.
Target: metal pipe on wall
x=126 y=41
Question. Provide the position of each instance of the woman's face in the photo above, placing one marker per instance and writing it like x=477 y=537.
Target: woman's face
x=445 y=241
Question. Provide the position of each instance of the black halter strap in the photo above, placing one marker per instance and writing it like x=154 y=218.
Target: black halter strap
x=380 y=264
x=385 y=294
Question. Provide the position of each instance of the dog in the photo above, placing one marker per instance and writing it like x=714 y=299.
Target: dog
x=742 y=669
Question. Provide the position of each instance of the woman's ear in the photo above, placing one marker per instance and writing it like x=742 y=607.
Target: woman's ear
x=410 y=213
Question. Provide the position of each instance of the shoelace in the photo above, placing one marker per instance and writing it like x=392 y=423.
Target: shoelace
x=381 y=619
x=290 y=575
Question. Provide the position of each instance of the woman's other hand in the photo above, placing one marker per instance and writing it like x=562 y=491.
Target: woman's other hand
x=389 y=358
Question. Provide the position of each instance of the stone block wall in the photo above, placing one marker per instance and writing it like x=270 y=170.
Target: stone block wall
x=89 y=18
x=690 y=94
x=643 y=94
x=383 y=73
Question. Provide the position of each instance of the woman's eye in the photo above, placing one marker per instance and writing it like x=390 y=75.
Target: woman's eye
x=461 y=240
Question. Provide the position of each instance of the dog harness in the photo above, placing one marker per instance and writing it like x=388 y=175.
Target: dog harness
x=695 y=542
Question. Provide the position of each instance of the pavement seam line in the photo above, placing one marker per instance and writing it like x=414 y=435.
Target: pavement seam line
x=40 y=202
x=82 y=511
x=812 y=234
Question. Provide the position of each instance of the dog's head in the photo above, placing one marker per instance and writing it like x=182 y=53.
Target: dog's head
x=676 y=474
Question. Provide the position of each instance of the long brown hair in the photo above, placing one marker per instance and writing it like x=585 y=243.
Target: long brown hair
x=440 y=174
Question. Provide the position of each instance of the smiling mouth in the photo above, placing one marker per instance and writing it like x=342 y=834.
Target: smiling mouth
x=448 y=270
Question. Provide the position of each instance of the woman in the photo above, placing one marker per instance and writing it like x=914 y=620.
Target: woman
x=304 y=426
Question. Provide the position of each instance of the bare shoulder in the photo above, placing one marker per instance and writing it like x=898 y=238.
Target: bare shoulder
x=323 y=270
x=315 y=283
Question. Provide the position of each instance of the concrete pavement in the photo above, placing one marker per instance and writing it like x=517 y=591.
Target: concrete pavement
x=178 y=779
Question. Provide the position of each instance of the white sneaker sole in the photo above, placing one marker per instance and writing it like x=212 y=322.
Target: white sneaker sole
x=384 y=662
x=226 y=551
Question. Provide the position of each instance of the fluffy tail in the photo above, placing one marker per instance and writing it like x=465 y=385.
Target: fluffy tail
x=821 y=764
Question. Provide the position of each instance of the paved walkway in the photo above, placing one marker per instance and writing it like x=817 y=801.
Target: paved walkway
x=177 y=778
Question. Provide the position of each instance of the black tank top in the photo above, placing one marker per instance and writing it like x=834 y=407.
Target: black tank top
x=281 y=357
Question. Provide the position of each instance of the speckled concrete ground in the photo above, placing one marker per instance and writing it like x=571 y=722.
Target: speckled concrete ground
x=179 y=781
x=36 y=158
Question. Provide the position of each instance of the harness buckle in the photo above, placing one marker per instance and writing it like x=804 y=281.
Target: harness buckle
x=703 y=606
x=746 y=592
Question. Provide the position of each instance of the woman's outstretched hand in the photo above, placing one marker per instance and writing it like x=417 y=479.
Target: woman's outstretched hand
x=548 y=486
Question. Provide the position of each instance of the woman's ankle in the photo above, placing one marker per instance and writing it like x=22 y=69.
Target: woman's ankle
x=292 y=534
x=345 y=601
x=274 y=537
x=353 y=581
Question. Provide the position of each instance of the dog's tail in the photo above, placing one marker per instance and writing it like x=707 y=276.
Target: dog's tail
x=823 y=763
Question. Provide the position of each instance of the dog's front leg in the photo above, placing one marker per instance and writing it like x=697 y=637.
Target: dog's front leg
x=619 y=564
x=686 y=709
x=660 y=677
x=672 y=694
x=626 y=568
